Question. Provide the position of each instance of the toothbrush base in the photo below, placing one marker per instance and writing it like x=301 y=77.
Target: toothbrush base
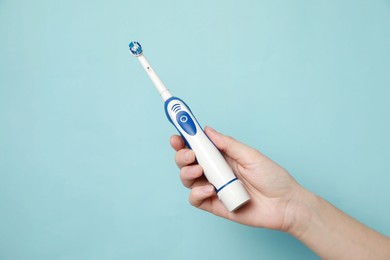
x=234 y=195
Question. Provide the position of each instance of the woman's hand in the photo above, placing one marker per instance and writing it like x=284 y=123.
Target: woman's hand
x=271 y=188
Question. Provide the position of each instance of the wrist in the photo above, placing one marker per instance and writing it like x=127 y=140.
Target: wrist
x=299 y=212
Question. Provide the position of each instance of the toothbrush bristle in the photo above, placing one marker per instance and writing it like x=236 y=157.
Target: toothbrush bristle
x=135 y=48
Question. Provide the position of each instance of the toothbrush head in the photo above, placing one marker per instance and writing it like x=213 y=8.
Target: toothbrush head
x=135 y=48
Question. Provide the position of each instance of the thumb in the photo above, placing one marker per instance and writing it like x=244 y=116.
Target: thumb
x=238 y=151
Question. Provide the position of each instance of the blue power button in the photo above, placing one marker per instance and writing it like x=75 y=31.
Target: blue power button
x=185 y=121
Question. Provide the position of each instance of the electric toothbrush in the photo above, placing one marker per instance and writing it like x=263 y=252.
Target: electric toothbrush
x=229 y=188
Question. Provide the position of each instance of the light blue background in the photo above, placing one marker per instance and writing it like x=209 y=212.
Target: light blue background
x=86 y=170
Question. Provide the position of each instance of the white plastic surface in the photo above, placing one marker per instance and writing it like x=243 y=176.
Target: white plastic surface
x=161 y=88
x=234 y=195
x=215 y=167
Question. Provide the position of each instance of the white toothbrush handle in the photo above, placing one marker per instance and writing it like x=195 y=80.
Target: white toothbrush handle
x=229 y=188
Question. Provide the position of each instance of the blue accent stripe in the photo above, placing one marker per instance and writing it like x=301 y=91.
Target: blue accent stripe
x=226 y=184
x=170 y=120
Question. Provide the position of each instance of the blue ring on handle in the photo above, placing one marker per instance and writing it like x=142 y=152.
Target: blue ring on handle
x=226 y=184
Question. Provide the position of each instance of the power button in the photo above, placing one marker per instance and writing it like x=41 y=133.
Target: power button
x=186 y=123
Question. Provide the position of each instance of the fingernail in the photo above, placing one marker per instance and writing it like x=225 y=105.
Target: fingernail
x=208 y=189
x=211 y=129
x=187 y=155
x=193 y=170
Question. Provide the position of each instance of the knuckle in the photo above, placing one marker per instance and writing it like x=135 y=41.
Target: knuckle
x=182 y=175
x=184 y=157
x=179 y=158
x=194 y=201
x=191 y=201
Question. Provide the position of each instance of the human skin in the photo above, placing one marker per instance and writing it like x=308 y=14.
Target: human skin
x=279 y=202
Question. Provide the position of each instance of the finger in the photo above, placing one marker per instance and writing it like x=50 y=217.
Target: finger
x=204 y=198
x=190 y=174
x=201 y=193
x=184 y=157
x=238 y=151
x=177 y=142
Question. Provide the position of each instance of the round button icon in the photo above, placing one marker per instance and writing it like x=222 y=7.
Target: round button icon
x=183 y=119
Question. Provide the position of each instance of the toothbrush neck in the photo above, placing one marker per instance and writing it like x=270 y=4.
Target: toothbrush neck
x=161 y=88
x=165 y=94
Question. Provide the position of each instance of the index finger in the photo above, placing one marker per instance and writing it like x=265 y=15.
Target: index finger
x=177 y=142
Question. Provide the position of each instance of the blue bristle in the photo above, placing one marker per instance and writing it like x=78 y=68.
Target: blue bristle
x=135 y=48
